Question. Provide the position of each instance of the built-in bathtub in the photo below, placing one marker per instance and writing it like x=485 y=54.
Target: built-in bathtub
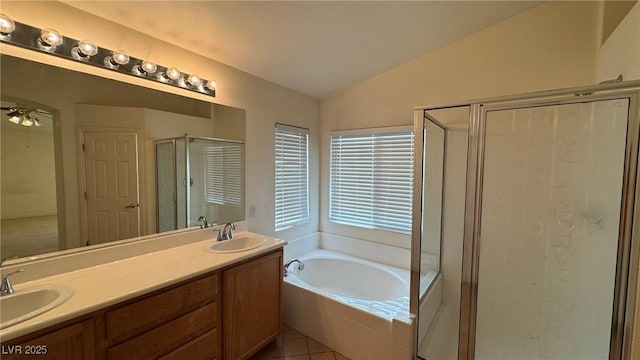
x=333 y=273
x=356 y=306
x=378 y=289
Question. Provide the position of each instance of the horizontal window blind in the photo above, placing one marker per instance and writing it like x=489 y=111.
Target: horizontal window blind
x=292 y=176
x=223 y=174
x=371 y=178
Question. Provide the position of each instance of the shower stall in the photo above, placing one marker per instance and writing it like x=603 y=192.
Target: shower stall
x=532 y=203
x=198 y=176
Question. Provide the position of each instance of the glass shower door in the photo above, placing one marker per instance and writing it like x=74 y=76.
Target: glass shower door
x=551 y=194
x=166 y=186
x=441 y=234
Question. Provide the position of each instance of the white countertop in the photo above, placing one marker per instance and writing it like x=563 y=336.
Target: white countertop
x=107 y=284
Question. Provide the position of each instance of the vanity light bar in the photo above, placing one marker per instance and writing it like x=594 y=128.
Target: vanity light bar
x=51 y=42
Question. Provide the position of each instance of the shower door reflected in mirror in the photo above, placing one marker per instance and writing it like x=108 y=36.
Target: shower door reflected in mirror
x=211 y=185
x=166 y=180
x=217 y=181
x=551 y=198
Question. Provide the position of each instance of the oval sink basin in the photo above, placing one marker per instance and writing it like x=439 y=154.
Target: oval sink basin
x=242 y=243
x=28 y=303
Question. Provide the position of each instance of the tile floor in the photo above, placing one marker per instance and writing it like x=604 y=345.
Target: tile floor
x=292 y=345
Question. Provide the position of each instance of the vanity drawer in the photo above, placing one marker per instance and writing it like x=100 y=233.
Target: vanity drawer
x=137 y=317
x=172 y=335
x=204 y=347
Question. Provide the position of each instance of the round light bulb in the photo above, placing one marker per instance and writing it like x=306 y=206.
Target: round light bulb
x=211 y=85
x=194 y=80
x=86 y=48
x=51 y=37
x=149 y=67
x=173 y=73
x=120 y=57
x=6 y=25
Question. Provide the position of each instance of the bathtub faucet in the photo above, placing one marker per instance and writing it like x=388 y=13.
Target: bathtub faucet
x=286 y=265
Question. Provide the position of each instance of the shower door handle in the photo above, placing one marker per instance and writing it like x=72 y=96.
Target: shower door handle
x=132 y=206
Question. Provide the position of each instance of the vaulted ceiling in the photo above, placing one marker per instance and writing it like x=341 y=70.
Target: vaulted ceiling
x=315 y=47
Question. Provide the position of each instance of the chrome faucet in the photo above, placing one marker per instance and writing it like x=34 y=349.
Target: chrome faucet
x=286 y=265
x=203 y=222
x=6 y=288
x=227 y=231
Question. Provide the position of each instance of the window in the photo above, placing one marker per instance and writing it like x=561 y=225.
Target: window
x=292 y=176
x=371 y=178
x=223 y=174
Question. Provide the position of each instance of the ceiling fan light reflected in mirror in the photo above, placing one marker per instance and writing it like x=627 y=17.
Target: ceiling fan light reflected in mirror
x=14 y=112
x=27 y=121
x=22 y=115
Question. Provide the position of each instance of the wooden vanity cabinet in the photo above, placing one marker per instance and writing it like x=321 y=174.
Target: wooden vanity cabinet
x=252 y=306
x=233 y=312
x=73 y=341
x=183 y=319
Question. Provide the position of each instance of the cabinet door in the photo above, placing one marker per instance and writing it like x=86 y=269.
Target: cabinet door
x=74 y=342
x=252 y=306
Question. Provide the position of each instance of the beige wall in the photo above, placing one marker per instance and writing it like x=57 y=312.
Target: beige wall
x=265 y=103
x=28 y=172
x=550 y=46
x=228 y=123
x=611 y=13
x=620 y=53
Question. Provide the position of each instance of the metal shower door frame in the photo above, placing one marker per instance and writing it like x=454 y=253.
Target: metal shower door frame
x=629 y=226
x=419 y=145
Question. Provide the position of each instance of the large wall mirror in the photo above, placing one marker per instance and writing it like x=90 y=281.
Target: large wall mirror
x=88 y=160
